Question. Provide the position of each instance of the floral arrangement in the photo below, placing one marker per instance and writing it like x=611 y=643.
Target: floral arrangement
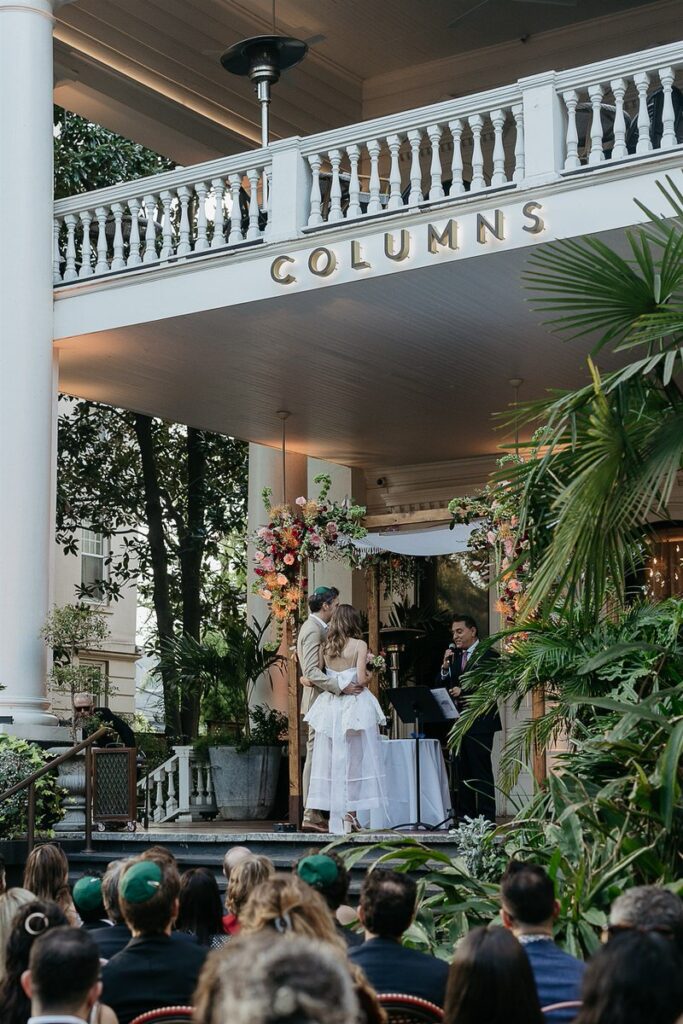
x=495 y=509
x=377 y=664
x=312 y=529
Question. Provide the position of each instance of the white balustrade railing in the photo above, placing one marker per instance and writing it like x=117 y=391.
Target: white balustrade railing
x=514 y=137
x=411 y=159
x=161 y=218
x=180 y=789
x=623 y=108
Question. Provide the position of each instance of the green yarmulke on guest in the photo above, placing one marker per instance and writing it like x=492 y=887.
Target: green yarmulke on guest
x=140 y=882
x=87 y=893
x=317 y=870
x=321 y=592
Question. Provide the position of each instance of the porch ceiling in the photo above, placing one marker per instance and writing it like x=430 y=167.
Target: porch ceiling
x=392 y=370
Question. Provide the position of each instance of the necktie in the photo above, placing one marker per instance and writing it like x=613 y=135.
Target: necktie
x=463 y=661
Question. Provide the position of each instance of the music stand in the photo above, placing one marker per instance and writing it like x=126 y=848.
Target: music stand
x=419 y=704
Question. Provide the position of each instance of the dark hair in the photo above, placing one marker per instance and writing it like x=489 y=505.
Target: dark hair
x=64 y=965
x=154 y=915
x=201 y=912
x=46 y=873
x=490 y=979
x=527 y=893
x=30 y=922
x=334 y=893
x=387 y=899
x=637 y=978
x=467 y=619
x=324 y=595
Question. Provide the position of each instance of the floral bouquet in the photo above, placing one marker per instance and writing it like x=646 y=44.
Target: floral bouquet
x=377 y=663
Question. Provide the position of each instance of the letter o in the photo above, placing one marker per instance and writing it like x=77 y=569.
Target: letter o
x=322 y=262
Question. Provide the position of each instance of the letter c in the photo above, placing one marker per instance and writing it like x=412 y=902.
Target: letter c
x=275 y=268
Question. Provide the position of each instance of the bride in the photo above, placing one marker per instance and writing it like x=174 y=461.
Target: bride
x=346 y=768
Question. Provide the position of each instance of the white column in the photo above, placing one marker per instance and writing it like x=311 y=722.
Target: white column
x=265 y=470
x=26 y=367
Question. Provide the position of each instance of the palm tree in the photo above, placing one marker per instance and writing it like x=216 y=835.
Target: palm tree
x=606 y=456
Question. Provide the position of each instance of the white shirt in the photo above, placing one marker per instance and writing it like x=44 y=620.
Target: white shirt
x=56 y=1018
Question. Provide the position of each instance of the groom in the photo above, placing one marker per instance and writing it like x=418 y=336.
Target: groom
x=322 y=604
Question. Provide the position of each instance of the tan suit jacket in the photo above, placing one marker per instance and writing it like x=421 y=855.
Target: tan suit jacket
x=309 y=640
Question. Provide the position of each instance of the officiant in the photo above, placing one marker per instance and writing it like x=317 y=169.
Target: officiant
x=472 y=772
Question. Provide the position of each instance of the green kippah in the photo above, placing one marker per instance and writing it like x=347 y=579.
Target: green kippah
x=87 y=893
x=140 y=882
x=322 y=592
x=317 y=870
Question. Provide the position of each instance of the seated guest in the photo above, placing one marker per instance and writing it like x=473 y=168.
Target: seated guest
x=87 y=897
x=63 y=979
x=258 y=980
x=529 y=910
x=201 y=913
x=46 y=875
x=11 y=900
x=637 y=978
x=386 y=910
x=326 y=873
x=244 y=877
x=152 y=970
x=648 y=908
x=112 y=938
x=232 y=858
x=31 y=920
x=490 y=981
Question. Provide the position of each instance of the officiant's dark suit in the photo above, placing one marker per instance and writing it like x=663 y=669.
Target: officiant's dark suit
x=475 y=792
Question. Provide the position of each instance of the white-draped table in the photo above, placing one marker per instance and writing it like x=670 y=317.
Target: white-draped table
x=399 y=781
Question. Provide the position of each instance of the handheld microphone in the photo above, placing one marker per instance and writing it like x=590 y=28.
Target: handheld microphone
x=452 y=649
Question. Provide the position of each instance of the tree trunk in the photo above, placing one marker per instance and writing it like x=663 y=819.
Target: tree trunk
x=191 y=556
x=163 y=608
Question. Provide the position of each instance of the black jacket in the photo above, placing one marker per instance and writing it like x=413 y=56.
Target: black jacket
x=150 y=972
x=487 y=724
x=111 y=940
x=391 y=967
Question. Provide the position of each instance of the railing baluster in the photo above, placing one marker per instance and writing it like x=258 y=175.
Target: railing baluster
x=335 y=214
x=253 y=231
x=118 y=262
x=235 y=236
x=642 y=81
x=457 y=185
x=166 y=226
x=202 y=242
x=150 y=254
x=435 y=186
x=519 y=171
x=618 y=87
x=70 y=273
x=315 y=215
x=86 y=245
x=354 y=209
x=56 y=254
x=375 y=204
x=597 y=153
x=478 y=181
x=159 y=804
x=498 y=120
x=415 y=194
x=184 y=247
x=666 y=77
x=395 y=200
x=218 y=186
x=134 y=258
x=171 y=801
x=572 y=161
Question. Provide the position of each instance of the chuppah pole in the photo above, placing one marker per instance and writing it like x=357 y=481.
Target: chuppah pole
x=539 y=760
x=294 y=732
x=372 y=584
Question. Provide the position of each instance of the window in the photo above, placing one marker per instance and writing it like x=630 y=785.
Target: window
x=100 y=690
x=93 y=569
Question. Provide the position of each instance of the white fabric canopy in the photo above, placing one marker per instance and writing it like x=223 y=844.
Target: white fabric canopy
x=432 y=540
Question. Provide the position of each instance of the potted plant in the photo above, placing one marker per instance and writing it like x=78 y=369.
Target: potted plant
x=245 y=748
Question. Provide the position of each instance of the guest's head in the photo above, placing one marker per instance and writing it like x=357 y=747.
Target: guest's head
x=528 y=899
x=46 y=874
x=31 y=921
x=490 y=979
x=63 y=974
x=261 y=979
x=148 y=896
x=160 y=853
x=110 y=890
x=326 y=873
x=464 y=630
x=345 y=625
x=88 y=899
x=637 y=978
x=648 y=908
x=232 y=858
x=323 y=602
x=11 y=902
x=387 y=903
x=244 y=877
x=285 y=905
x=200 y=909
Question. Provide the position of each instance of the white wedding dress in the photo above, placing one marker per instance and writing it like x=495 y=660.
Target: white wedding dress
x=347 y=772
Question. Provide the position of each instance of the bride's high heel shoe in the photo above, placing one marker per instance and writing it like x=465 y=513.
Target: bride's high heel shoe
x=351 y=824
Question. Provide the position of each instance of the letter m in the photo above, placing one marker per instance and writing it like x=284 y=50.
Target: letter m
x=449 y=236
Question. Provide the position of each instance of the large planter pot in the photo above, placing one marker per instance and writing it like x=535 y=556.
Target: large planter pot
x=244 y=783
x=71 y=777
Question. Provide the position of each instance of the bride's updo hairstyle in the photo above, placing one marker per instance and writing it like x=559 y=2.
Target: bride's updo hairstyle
x=345 y=626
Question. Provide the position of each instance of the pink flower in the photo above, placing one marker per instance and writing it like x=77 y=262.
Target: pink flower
x=515 y=586
x=265 y=594
x=514 y=521
x=301 y=501
x=267 y=535
x=259 y=556
x=509 y=547
x=288 y=559
x=491 y=537
x=332 y=528
x=315 y=540
x=282 y=579
x=268 y=564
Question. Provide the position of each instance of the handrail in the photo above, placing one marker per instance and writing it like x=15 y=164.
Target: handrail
x=30 y=784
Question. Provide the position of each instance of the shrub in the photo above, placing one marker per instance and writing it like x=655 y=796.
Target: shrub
x=18 y=760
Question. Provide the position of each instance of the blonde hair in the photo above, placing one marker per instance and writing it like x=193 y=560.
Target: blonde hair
x=10 y=903
x=287 y=905
x=244 y=877
x=344 y=626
